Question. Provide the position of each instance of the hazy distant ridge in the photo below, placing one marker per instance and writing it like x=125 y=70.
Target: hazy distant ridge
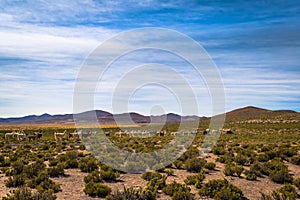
x=241 y=114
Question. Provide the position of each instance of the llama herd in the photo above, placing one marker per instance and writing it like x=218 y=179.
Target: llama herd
x=60 y=136
x=21 y=136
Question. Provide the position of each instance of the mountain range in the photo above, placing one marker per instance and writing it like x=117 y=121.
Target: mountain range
x=103 y=117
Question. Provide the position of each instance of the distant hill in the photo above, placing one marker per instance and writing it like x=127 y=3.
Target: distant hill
x=254 y=113
x=102 y=116
x=249 y=113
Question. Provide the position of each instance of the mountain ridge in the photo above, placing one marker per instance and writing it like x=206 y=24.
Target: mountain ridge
x=104 y=117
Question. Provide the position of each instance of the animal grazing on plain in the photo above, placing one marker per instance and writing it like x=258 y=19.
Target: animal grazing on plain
x=35 y=136
x=15 y=136
x=74 y=135
x=59 y=136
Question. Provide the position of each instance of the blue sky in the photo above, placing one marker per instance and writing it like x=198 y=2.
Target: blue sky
x=255 y=45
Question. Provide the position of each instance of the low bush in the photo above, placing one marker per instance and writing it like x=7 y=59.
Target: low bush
x=88 y=164
x=109 y=174
x=195 y=180
x=132 y=194
x=220 y=189
x=93 y=177
x=281 y=176
x=287 y=192
x=297 y=183
x=150 y=175
x=241 y=159
x=27 y=194
x=210 y=165
x=15 y=181
x=56 y=171
x=194 y=164
x=97 y=190
x=229 y=170
x=250 y=175
x=178 y=191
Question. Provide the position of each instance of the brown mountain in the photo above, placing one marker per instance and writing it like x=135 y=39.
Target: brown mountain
x=254 y=113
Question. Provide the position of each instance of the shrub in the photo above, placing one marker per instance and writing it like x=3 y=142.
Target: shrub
x=88 y=164
x=220 y=189
x=56 y=171
x=297 y=183
x=97 y=189
x=182 y=193
x=258 y=169
x=156 y=183
x=287 y=192
x=43 y=183
x=132 y=194
x=93 y=177
x=281 y=176
x=34 y=168
x=295 y=160
x=250 y=176
x=177 y=190
x=241 y=159
x=218 y=150
x=4 y=162
x=109 y=174
x=26 y=194
x=210 y=165
x=15 y=181
x=150 y=175
x=194 y=164
x=17 y=167
x=195 y=180
x=238 y=170
x=229 y=170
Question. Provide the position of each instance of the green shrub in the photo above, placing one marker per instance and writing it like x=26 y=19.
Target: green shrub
x=17 y=167
x=174 y=188
x=34 y=168
x=258 y=169
x=93 y=177
x=156 y=183
x=210 y=165
x=220 y=189
x=132 y=194
x=182 y=194
x=150 y=175
x=195 y=180
x=56 y=171
x=238 y=170
x=229 y=170
x=15 y=181
x=250 y=176
x=287 y=192
x=4 y=162
x=43 y=183
x=194 y=164
x=297 y=183
x=109 y=174
x=241 y=159
x=218 y=150
x=97 y=189
x=88 y=164
x=27 y=194
x=295 y=160
x=281 y=176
